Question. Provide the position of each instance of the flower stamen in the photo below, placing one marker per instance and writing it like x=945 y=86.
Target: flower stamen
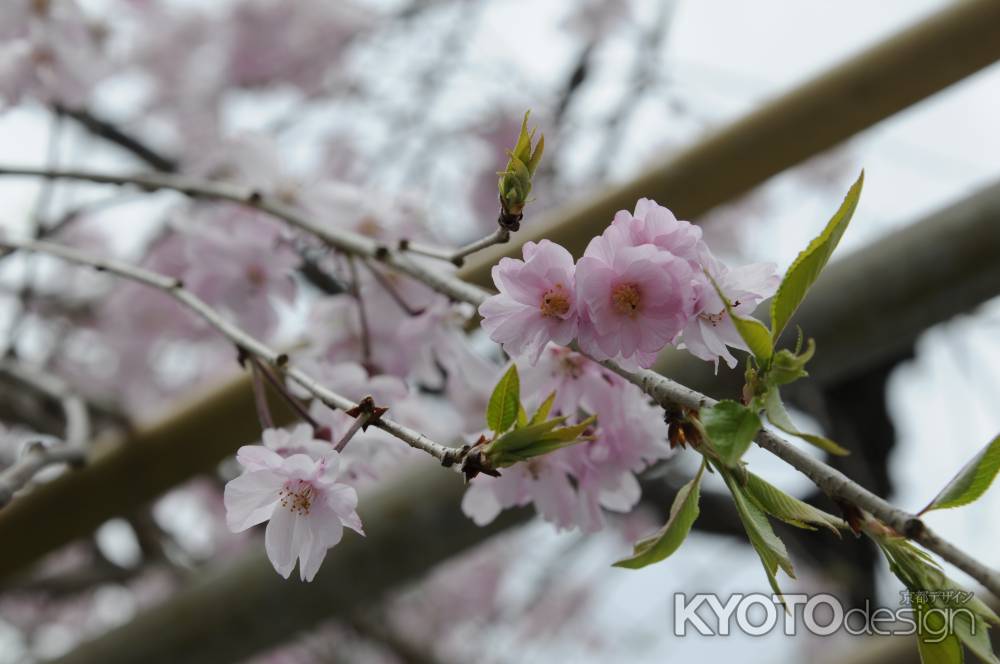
x=626 y=299
x=555 y=302
x=297 y=497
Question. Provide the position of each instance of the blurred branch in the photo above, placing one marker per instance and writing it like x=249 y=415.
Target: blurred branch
x=113 y=134
x=39 y=456
x=243 y=341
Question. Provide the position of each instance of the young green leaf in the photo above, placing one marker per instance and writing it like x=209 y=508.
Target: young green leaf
x=544 y=409
x=536 y=439
x=501 y=412
x=788 y=366
x=771 y=550
x=972 y=481
x=731 y=428
x=791 y=510
x=778 y=416
x=934 y=644
x=807 y=266
x=754 y=333
x=931 y=589
x=666 y=540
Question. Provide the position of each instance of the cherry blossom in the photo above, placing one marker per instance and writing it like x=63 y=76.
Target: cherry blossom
x=708 y=334
x=637 y=299
x=48 y=50
x=305 y=506
x=537 y=302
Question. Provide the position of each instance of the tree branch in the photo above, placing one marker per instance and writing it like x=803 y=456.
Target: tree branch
x=244 y=341
x=665 y=391
x=39 y=456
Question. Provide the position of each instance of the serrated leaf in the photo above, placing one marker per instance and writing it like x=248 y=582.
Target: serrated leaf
x=972 y=481
x=808 y=265
x=925 y=580
x=778 y=416
x=771 y=550
x=666 y=540
x=754 y=333
x=731 y=428
x=772 y=500
x=544 y=410
x=788 y=366
x=501 y=412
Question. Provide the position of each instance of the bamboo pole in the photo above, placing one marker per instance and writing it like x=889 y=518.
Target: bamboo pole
x=888 y=77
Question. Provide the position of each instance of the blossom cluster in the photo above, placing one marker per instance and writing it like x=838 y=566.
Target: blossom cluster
x=572 y=486
x=643 y=284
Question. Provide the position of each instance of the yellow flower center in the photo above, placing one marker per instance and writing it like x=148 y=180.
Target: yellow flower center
x=297 y=497
x=555 y=302
x=626 y=299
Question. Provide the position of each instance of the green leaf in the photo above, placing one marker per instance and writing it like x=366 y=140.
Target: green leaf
x=972 y=481
x=771 y=550
x=752 y=331
x=666 y=540
x=788 y=366
x=544 y=410
x=808 y=265
x=935 y=647
x=502 y=409
x=519 y=438
x=789 y=509
x=535 y=440
x=925 y=581
x=778 y=416
x=731 y=428
x=522 y=417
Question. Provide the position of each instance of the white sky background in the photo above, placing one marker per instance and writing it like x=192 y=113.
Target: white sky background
x=728 y=56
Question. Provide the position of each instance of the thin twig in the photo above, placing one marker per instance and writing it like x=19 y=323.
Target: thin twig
x=390 y=289
x=289 y=398
x=260 y=397
x=247 y=343
x=365 y=416
x=366 y=339
x=113 y=134
x=457 y=256
x=39 y=456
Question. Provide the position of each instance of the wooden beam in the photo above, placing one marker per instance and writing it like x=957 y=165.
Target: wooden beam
x=884 y=79
x=123 y=472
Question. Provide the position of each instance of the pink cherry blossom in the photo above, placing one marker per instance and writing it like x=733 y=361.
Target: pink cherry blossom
x=300 y=497
x=48 y=50
x=239 y=261
x=537 y=302
x=708 y=334
x=636 y=299
x=654 y=224
x=300 y=440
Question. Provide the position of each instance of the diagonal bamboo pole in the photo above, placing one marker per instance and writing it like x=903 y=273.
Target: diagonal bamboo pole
x=913 y=64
